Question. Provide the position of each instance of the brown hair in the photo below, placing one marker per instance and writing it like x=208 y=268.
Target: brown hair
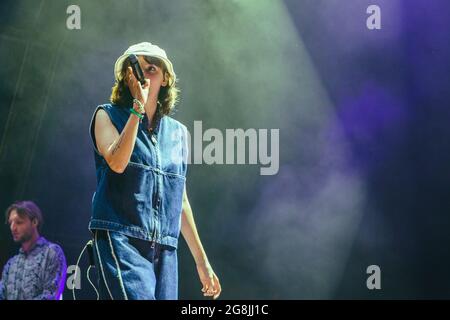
x=26 y=208
x=167 y=96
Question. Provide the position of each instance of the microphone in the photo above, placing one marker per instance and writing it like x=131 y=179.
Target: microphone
x=137 y=70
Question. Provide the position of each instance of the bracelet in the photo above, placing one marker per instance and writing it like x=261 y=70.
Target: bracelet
x=140 y=105
x=139 y=115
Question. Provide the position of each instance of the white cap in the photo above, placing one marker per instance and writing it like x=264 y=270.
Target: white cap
x=144 y=49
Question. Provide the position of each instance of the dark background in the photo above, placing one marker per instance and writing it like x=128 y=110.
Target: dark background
x=364 y=173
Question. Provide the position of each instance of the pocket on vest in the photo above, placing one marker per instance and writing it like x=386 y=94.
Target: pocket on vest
x=129 y=191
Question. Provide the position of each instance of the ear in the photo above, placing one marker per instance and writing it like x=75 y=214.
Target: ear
x=166 y=79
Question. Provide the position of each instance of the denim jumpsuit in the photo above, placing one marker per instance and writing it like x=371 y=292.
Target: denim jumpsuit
x=136 y=215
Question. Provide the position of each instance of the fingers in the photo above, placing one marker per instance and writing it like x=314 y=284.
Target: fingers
x=130 y=78
x=207 y=288
x=146 y=84
x=137 y=90
x=209 y=292
x=218 y=287
x=212 y=288
x=131 y=81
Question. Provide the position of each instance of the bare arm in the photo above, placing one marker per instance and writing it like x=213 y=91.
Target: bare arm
x=115 y=148
x=211 y=283
x=190 y=234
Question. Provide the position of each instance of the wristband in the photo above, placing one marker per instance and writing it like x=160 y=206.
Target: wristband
x=140 y=105
x=139 y=115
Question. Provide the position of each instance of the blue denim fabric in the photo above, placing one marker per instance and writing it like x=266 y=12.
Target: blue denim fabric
x=134 y=269
x=145 y=201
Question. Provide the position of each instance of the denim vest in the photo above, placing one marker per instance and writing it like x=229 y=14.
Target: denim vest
x=145 y=201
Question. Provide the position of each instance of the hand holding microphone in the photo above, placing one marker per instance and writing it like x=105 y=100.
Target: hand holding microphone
x=138 y=85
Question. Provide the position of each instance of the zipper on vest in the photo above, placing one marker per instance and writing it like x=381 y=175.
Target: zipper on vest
x=153 y=238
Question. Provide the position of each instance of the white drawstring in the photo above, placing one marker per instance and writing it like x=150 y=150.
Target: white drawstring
x=89 y=243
